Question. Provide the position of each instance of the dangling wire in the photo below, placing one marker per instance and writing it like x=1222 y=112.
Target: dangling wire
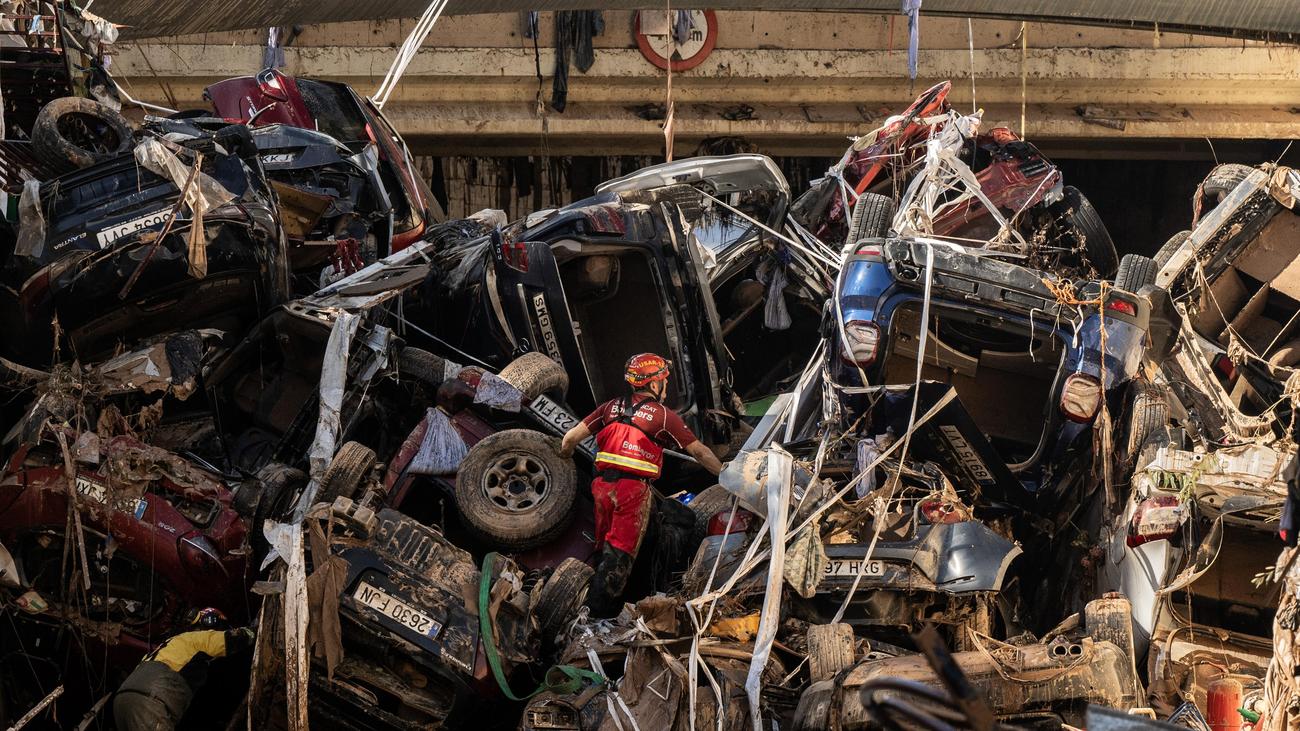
x=410 y=47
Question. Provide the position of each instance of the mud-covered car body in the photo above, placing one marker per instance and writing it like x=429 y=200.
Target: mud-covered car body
x=162 y=536
x=1236 y=278
x=651 y=263
x=334 y=109
x=108 y=278
x=413 y=655
x=1084 y=661
x=1031 y=381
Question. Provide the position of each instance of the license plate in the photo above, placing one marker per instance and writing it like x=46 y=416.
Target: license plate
x=558 y=419
x=853 y=567
x=92 y=490
x=279 y=158
x=396 y=610
x=113 y=233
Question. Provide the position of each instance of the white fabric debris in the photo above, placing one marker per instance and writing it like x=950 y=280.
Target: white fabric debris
x=201 y=195
x=868 y=451
x=780 y=479
x=776 y=315
x=332 y=384
x=31 y=220
x=497 y=393
x=441 y=449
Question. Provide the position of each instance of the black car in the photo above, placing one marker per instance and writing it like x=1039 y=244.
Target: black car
x=106 y=273
x=653 y=262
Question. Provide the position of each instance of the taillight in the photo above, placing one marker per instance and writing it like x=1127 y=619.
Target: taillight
x=861 y=341
x=1081 y=397
x=940 y=512
x=738 y=523
x=198 y=553
x=1225 y=366
x=515 y=255
x=1122 y=305
x=1156 y=519
x=270 y=84
x=868 y=250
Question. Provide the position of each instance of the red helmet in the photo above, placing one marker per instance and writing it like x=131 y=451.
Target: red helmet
x=208 y=618
x=645 y=369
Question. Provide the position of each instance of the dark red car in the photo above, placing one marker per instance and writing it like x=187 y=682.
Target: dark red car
x=161 y=538
x=1024 y=185
x=335 y=109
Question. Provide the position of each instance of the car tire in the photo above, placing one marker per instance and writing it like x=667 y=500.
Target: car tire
x=1135 y=272
x=346 y=472
x=873 y=215
x=1148 y=415
x=830 y=650
x=535 y=374
x=1221 y=181
x=1166 y=251
x=1082 y=220
x=422 y=367
x=61 y=133
x=515 y=491
x=707 y=504
x=563 y=593
x=280 y=487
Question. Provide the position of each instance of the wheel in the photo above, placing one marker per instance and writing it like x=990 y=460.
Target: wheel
x=421 y=366
x=1086 y=227
x=1148 y=415
x=1166 y=251
x=346 y=472
x=1135 y=272
x=73 y=132
x=535 y=374
x=514 y=490
x=707 y=504
x=830 y=650
x=280 y=487
x=561 y=596
x=873 y=214
x=1221 y=181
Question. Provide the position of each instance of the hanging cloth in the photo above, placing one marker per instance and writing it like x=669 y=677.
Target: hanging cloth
x=912 y=9
x=574 y=31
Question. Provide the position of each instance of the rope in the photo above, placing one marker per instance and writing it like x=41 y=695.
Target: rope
x=410 y=47
x=570 y=679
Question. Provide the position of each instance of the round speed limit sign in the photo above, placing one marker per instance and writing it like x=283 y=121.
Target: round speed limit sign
x=652 y=29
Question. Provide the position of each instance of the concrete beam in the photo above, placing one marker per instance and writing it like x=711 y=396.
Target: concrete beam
x=811 y=99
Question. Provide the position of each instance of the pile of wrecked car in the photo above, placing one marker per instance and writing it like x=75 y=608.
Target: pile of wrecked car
x=980 y=469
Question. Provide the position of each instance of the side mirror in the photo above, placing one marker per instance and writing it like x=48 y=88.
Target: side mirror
x=1164 y=324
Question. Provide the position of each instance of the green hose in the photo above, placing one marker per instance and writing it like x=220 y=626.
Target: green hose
x=570 y=679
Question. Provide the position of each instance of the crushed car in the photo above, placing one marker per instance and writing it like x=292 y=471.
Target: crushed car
x=661 y=261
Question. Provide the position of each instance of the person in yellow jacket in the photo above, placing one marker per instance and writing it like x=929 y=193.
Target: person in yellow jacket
x=156 y=694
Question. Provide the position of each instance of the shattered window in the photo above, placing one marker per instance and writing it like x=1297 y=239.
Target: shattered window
x=334 y=110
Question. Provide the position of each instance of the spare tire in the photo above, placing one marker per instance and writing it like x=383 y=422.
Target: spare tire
x=873 y=214
x=346 y=472
x=535 y=374
x=515 y=491
x=708 y=503
x=72 y=132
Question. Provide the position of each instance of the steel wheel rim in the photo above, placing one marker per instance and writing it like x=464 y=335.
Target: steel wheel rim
x=516 y=482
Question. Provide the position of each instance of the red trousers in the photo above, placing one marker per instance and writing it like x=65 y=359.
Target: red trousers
x=622 y=513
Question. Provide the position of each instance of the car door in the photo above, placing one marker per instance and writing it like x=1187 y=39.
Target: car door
x=527 y=298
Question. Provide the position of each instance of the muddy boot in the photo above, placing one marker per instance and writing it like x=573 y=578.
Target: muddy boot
x=607 y=584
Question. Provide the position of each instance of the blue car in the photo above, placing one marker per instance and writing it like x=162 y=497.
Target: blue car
x=1031 y=366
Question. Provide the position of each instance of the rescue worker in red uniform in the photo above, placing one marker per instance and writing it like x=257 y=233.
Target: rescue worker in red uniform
x=631 y=434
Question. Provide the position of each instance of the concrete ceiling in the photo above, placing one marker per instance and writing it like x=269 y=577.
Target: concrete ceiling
x=1267 y=19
